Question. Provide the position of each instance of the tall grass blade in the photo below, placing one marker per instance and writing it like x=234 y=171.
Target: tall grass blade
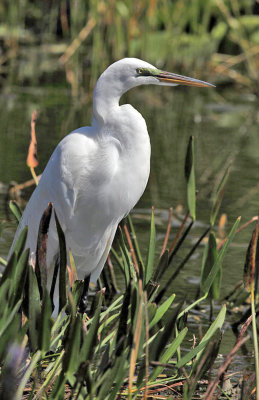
x=91 y=338
x=151 y=249
x=41 y=251
x=20 y=242
x=62 y=265
x=214 y=270
x=199 y=350
x=33 y=301
x=135 y=346
x=122 y=328
x=162 y=309
x=19 y=278
x=218 y=197
x=190 y=178
x=168 y=353
x=15 y=210
x=45 y=323
x=209 y=259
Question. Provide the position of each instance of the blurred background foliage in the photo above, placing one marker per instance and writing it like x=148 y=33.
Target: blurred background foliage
x=40 y=40
x=52 y=52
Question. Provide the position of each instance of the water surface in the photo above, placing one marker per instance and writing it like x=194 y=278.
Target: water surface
x=224 y=125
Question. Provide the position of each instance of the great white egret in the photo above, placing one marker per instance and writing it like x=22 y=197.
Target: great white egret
x=97 y=173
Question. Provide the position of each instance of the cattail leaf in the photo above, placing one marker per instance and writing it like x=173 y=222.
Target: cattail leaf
x=168 y=354
x=33 y=308
x=127 y=260
x=6 y=322
x=217 y=324
x=218 y=198
x=10 y=331
x=15 y=210
x=190 y=178
x=9 y=269
x=135 y=344
x=62 y=265
x=164 y=336
x=120 y=376
x=91 y=337
x=211 y=351
x=19 y=278
x=4 y=288
x=115 y=374
x=209 y=258
x=122 y=329
x=161 y=310
x=125 y=267
x=41 y=251
x=105 y=360
x=162 y=266
x=72 y=348
x=20 y=242
x=198 y=350
x=151 y=249
x=201 y=366
x=217 y=265
x=152 y=309
x=45 y=323
x=135 y=241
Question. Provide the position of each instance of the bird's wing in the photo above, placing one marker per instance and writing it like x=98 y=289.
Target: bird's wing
x=75 y=180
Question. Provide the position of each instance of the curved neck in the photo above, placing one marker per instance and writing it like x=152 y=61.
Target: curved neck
x=107 y=94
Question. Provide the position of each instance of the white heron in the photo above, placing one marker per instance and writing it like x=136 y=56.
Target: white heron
x=97 y=173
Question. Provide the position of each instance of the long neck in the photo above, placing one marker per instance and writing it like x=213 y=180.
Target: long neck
x=106 y=97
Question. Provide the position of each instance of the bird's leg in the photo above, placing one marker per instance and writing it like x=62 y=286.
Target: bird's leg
x=83 y=301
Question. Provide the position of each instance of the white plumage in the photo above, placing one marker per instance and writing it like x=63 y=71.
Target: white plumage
x=97 y=174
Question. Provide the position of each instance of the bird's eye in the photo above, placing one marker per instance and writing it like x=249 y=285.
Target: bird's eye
x=143 y=71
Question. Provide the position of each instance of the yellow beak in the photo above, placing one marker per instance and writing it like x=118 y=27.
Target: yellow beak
x=169 y=77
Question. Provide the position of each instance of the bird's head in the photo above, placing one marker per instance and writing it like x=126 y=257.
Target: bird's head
x=127 y=73
x=130 y=72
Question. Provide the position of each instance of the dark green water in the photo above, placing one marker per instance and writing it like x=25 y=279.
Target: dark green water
x=224 y=125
